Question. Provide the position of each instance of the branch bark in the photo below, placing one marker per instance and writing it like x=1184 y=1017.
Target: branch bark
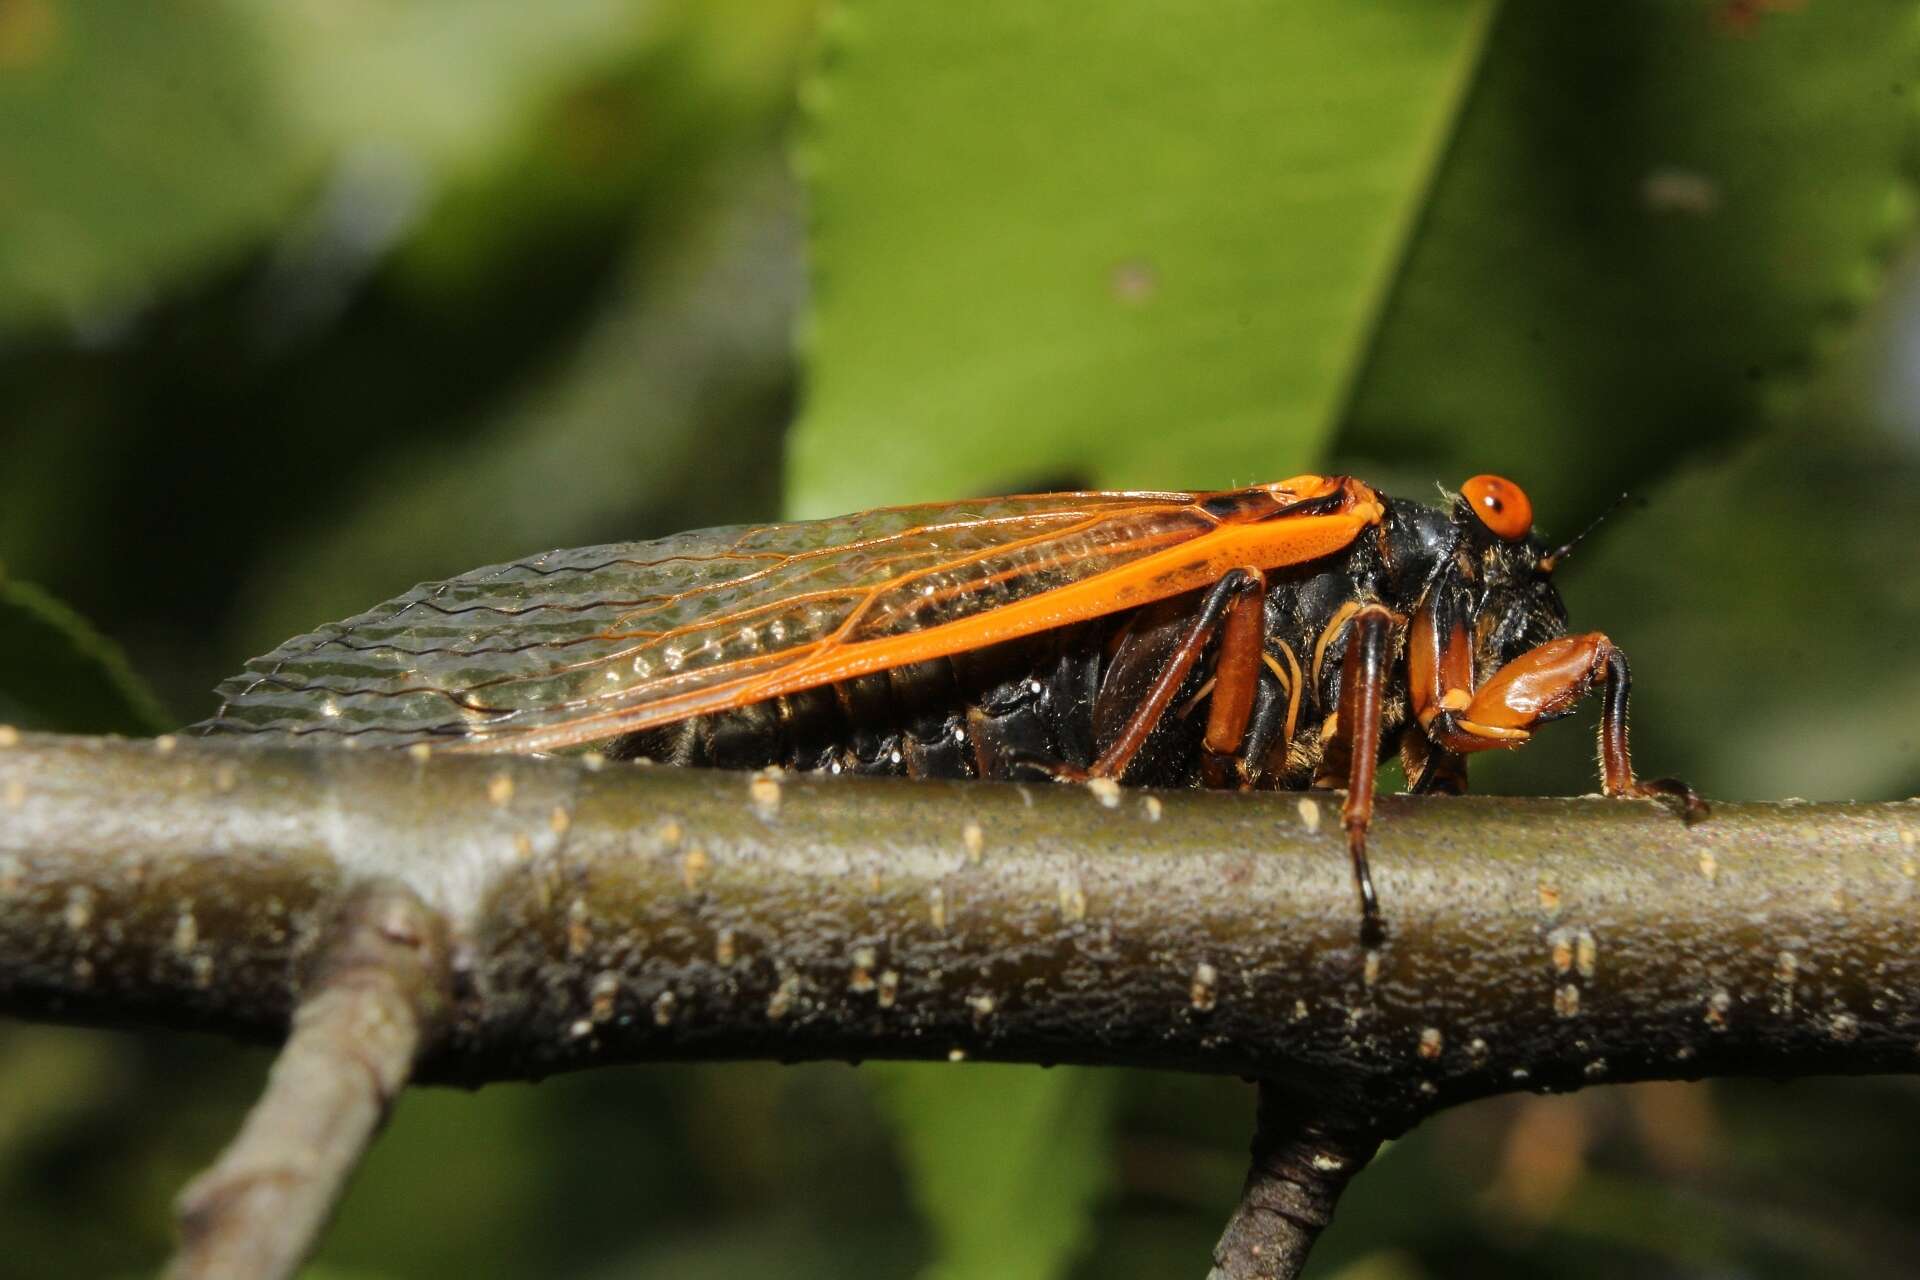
x=1303 y=1157
x=599 y=913
x=259 y=1210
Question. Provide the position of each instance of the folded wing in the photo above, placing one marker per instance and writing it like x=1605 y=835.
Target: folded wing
x=572 y=647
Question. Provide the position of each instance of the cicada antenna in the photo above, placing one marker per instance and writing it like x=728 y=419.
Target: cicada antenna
x=1551 y=561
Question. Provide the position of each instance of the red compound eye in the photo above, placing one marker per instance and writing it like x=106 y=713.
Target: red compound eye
x=1501 y=505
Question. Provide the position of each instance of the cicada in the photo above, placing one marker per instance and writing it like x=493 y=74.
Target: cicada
x=1283 y=636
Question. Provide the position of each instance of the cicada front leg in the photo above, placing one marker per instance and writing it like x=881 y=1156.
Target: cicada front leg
x=1430 y=770
x=1543 y=684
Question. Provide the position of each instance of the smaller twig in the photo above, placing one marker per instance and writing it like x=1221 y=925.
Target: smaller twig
x=1303 y=1157
x=376 y=995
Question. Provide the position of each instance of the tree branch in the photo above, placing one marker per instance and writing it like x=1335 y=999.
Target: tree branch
x=617 y=914
x=1303 y=1157
x=260 y=1209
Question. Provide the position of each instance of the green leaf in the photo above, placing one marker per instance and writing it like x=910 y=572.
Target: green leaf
x=138 y=144
x=57 y=673
x=1133 y=243
x=1651 y=223
x=1007 y=1163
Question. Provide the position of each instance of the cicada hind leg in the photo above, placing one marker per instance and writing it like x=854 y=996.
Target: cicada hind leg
x=1233 y=609
x=1236 y=741
x=1355 y=749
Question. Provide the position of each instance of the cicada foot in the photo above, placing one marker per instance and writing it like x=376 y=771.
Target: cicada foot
x=1676 y=795
x=1373 y=926
x=1025 y=766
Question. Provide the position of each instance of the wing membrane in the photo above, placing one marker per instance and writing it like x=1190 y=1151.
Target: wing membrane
x=572 y=646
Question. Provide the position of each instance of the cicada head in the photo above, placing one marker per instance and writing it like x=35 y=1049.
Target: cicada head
x=1519 y=607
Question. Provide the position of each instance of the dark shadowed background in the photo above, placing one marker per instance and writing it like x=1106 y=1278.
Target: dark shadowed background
x=302 y=302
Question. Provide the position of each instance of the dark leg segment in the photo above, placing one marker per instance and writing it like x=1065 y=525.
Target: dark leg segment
x=1616 y=762
x=1431 y=769
x=1363 y=684
x=1114 y=760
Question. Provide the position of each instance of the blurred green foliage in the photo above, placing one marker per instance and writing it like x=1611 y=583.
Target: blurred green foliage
x=303 y=301
x=81 y=680
x=1016 y=1206
x=189 y=154
x=1649 y=226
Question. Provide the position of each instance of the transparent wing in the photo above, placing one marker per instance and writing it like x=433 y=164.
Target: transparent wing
x=570 y=647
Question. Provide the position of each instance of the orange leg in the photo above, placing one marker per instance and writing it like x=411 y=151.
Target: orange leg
x=1540 y=685
x=1236 y=672
x=1237 y=600
x=1363 y=684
